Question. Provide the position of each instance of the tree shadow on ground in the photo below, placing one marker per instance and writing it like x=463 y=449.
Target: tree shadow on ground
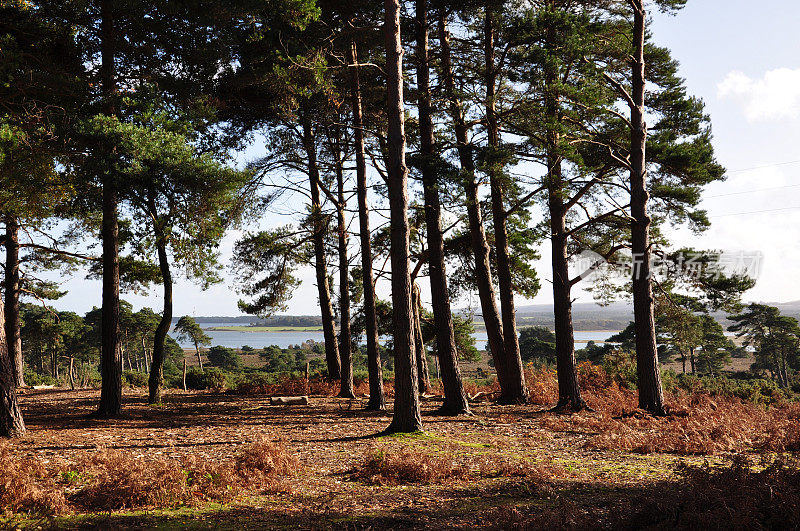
x=511 y=505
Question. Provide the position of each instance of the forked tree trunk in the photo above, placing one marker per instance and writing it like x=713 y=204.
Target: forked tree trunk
x=651 y=396
x=512 y=381
x=111 y=355
x=319 y=228
x=11 y=423
x=455 y=400
x=516 y=376
x=157 y=367
x=423 y=376
x=406 y=417
x=377 y=400
x=345 y=337
x=12 y=288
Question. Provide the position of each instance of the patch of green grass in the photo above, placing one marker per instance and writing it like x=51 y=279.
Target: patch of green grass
x=417 y=435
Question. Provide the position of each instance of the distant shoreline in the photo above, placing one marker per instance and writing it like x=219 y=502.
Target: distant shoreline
x=265 y=328
x=319 y=329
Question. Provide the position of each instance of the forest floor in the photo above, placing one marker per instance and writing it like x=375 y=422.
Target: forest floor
x=503 y=467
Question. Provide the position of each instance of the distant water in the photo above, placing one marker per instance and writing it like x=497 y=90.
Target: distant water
x=237 y=339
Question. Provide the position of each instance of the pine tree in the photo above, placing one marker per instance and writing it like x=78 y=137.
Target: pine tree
x=406 y=417
x=455 y=400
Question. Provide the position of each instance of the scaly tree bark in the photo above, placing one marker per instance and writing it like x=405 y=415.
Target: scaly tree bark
x=651 y=396
x=423 y=375
x=11 y=423
x=569 y=393
x=407 y=417
x=377 y=400
x=345 y=337
x=157 y=367
x=319 y=228
x=455 y=400
x=12 y=288
x=111 y=355
x=516 y=376
x=512 y=382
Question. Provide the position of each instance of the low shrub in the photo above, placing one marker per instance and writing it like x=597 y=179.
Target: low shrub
x=117 y=481
x=755 y=390
x=134 y=379
x=264 y=461
x=112 y=480
x=211 y=378
x=407 y=466
x=27 y=486
x=735 y=496
x=731 y=496
x=34 y=378
x=257 y=383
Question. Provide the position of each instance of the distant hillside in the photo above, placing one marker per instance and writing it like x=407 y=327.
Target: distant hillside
x=275 y=320
x=586 y=316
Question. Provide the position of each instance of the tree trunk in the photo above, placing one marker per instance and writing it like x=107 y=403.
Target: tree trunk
x=516 y=376
x=423 y=376
x=683 y=361
x=147 y=362
x=377 y=400
x=157 y=367
x=72 y=373
x=784 y=369
x=455 y=400
x=345 y=337
x=569 y=393
x=199 y=357
x=11 y=423
x=111 y=355
x=650 y=393
x=126 y=356
x=319 y=228
x=407 y=417
x=512 y=382
x=12 y=287
x=184 y=374
x=691 y=359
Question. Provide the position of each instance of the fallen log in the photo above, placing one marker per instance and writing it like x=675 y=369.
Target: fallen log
x=288 y=401
x=481 y=396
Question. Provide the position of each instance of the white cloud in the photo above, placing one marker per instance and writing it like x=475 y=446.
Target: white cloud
x=774 y=96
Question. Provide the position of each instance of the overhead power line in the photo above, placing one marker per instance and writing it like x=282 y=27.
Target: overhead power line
x=755 y=212
x=765 y=166
x=753 y=191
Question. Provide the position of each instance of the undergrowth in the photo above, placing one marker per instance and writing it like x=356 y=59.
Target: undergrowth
x=737 y=495
x=111 y=480
x=411 y=466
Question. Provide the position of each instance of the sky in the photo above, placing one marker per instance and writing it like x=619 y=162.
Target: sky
x=742 y=60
